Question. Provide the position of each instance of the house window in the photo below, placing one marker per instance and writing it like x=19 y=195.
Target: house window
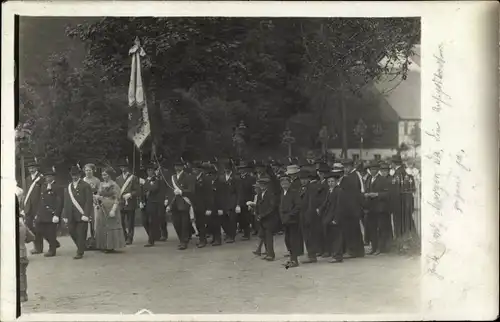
x=405 y=124
x=355 y=157
x=378 y=157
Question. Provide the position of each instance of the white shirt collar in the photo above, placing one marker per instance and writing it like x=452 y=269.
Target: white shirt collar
x=34 y=175
x=179 y=174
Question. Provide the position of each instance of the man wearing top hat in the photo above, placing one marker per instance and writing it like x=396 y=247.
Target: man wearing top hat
x=226 y=194
x=265 y=210
x=78 y=209
x=130 y=189
x=181 y=204
x=49 y=213
x=152 y=205
x=289 y=210
x=379 y=207
x=203 y=201
x=245 y=194
x=32 y=198
x=334 y=213
x=403 y=187
x=353 y=187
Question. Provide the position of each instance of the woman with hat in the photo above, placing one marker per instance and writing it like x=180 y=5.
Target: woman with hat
x=108 y=225
x=94 y=182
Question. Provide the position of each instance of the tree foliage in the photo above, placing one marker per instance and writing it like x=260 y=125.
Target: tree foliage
x=208 y=74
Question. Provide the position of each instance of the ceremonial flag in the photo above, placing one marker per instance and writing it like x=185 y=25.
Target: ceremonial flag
x=139 y=127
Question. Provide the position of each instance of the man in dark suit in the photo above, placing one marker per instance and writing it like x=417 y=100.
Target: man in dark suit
x=152 y=205
x=334 y=214
x=265 y=210
x=129 y=193
x=32 y=200
x=77 y=210
x=181 y=205
x=353 y=187
x=203 y=201
x=369 y=221
x=163 y=175
x=403 y=187
x=245 y=194
x=378 y=200
x=226 y=187
x=308 y=215
x=290 y=217
x=321 y=192
x=49 y=213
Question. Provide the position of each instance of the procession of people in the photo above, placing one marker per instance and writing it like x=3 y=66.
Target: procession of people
x=325 y=209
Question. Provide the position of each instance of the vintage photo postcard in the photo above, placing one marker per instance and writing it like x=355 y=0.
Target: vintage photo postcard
x=249 y=161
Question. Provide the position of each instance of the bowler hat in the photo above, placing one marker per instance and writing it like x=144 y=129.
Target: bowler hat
x=284 y=177
x=33 y=164
x=384 y=166
x=323 y=167
x=396 y=159
x=151 y=166
x=178 y=163
x=264 y=180
x=374 y=164
x=347 y=162
x=49 y=171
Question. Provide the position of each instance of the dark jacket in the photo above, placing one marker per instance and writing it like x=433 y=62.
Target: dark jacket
x=306 y=195
x=31 y=202
x=152 y=190
x=351 y=186
x=186 y=183
x=51 y=203
x=334 y=208
x=134 y=188
x=83 y=196
x=266 y=208
x=245 y=190
x=203 y=199
x=226 y=193
x=290 y=207
x=382 y=186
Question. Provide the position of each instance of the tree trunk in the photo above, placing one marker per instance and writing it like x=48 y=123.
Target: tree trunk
x=344 y=123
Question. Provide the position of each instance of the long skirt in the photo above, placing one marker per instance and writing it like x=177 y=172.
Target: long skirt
x=108 y=230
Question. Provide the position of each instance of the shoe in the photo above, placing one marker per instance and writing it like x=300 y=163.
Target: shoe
x=149 y=245
x=257 y=253
x=128 y=242
x=230 y=240
x=217 y=243
x=255 y=233
x=182 y=247
x=58 y=245
x=78 y=256
x=291 y=264
x=310 y=261
x=326 y=255
x=287 y=255
x=269 y=258
x=49 y=254
x=333 y=261
x=163 y=238
x=202 y=244
x=245 y=238
x=36 y=252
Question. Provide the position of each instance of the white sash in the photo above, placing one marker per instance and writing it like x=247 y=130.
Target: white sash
x=186 y=199
x=361 y=181
x=126 y=184
x=73 y=200
x=31 y=189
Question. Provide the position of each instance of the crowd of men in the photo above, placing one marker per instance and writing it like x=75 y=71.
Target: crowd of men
x=329 y=210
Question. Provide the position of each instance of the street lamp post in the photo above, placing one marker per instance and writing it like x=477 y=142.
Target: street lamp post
x=359 y=131
x=288 y=140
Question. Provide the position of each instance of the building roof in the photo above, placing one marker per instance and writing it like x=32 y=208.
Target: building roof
x=403 y=95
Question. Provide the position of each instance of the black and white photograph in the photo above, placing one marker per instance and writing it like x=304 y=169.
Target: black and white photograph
x=219 y=164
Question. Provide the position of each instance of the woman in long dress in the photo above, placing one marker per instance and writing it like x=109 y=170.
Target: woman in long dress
x=109 y=232
x=94 y=183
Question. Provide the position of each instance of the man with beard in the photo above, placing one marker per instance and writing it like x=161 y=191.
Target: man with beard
x=180 y=204
x=379 y=215
x=353 y=186
x=245 y=194
x=32 y=200
x=49 y=213
x=203 y=201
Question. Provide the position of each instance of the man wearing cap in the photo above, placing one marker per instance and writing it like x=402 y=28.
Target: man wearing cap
x=203 y=201
x=290 y=217
x=49 y=213
x=334 y=213
x=379 y=216
x=78 y=209
x=245 y=194
x=129 y=193
x=32 y=198
x=152 y=205
x=403 y=187
x=226 y=187
x=353 y=187
x=265 y=210
x=181 y=205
